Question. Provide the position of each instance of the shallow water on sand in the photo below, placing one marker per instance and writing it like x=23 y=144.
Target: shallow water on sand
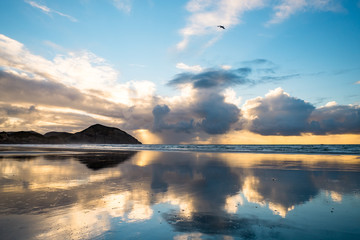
x=178 y=195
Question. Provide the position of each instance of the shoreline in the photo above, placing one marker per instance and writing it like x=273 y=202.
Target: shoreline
x=338 y=149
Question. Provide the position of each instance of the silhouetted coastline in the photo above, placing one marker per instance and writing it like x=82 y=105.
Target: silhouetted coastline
x=95 y=134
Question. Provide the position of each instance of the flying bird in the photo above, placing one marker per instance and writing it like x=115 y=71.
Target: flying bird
x=221 y=26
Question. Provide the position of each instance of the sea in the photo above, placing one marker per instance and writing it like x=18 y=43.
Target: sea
x=110 y=191
x=221 y=148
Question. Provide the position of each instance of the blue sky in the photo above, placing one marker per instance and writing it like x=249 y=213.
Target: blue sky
x=125 y=52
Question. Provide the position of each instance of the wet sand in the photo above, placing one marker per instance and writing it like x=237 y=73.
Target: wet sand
x=67 y=194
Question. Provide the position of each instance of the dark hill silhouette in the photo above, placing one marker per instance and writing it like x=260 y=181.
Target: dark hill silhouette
x=97 y=133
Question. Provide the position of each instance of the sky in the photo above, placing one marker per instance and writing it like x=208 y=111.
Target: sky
x=282 y=71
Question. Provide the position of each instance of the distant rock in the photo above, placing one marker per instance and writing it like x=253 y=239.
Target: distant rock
x=101 y=134
x=58 y=137
x=21 y=137
x=97 y=134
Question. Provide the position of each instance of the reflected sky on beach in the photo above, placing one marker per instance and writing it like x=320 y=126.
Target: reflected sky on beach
x=171 y=195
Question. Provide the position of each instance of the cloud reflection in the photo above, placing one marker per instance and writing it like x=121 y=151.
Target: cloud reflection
x=203 y=193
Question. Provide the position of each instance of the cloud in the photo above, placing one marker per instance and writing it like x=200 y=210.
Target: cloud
x=217 y=115
x=226 y=67
x=48 y=11
x=123 y=5
x=210 y=78
x=64 y=105
x=336 y=119
x=20 y=117
x=205 y=110
x=278 y=114
x=19 y=90
x=286 y=8
x=257 y=71
x=205 y=15
x=81 y=69
x=79 y=83
x=76 y=89
x=159 y=112
x=258 y=61
x=210 y=114
x=183 y=66
x=209 y=109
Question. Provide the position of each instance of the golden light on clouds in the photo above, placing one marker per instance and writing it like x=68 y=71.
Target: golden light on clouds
x=280 y=210
x=335 y=196
x=232 y=203
x=250 y=192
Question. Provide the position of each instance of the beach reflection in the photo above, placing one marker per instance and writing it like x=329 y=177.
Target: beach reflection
x=147 y=194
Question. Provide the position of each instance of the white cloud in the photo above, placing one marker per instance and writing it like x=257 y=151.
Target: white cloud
x=47 y=10
x=330 y=104
x=41 y=7
x=230 y=97
x=123 y=5
x=206 y=15
x=285 y=9
x=226 y=67
x=290 y=7
x=194 y=68
x=82 y=69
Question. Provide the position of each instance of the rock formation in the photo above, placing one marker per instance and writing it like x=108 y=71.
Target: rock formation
x=96 y=134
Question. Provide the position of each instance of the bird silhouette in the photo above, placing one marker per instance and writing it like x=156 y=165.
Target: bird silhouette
x=221 y=26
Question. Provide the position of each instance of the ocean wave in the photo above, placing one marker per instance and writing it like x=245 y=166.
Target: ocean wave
x=290 y=149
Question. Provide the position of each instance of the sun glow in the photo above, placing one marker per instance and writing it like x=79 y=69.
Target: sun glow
x=246 y=137
x=147 y=137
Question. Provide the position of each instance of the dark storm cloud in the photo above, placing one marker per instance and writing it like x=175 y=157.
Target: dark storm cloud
x=210 y=114
x=338 y=119
x=280 y=114
x=217 y=115
x=213 y=78
x=160 y=112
